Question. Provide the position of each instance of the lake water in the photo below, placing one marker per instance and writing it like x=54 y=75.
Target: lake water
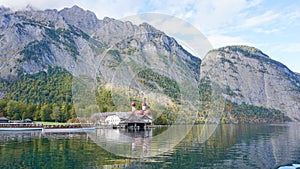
x=205 y=146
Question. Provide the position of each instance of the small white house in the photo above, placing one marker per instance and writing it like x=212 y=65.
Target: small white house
x=112 y=120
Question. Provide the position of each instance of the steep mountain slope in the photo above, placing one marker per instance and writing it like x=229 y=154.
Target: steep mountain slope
x=249 y=76
x=77 y=41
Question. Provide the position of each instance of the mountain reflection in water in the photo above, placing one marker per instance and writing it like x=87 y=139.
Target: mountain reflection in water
x=229 y=146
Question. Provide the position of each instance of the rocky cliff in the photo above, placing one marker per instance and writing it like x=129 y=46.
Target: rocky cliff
x=249 y=76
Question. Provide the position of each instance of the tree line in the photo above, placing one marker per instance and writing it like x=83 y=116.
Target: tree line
x=16 y=110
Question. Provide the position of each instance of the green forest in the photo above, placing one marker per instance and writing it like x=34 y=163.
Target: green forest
x=44 y=96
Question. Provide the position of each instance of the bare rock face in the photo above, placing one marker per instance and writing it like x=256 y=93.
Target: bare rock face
x=248 y=75
x=76 y=40
x=298 y=75
x=85 y=20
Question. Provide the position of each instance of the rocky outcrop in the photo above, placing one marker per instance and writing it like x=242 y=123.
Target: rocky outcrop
x=85 y=20
x=249 y=76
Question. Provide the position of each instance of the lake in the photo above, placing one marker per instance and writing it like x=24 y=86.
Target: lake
x=201 y=146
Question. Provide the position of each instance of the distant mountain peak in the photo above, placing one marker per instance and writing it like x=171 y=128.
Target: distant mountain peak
x=74 y=8
x=108 y=19
x=83 y=19
x=149 y=28
x=77 y=11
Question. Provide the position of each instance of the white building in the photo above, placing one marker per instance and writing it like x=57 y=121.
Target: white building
x=112 y=120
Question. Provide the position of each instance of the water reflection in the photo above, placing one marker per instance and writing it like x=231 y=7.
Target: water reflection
x=28 y=135
x=241 y=146
x=230 y=146
x=19 y=136
x=139 y=143
x=134 y=143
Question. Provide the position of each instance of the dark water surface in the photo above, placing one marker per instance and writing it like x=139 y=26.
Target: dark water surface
x=229 y=146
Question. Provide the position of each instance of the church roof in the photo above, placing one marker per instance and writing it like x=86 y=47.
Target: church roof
x=136 y=119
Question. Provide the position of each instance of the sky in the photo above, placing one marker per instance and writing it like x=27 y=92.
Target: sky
x=271 y=26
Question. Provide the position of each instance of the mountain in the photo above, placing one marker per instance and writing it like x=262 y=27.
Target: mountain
x=70 y=58
x=96 y=53
x=75 y=39
x=249 y=76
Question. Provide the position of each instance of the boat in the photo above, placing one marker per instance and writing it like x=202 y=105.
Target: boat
x=44 y=128
x=21 y=129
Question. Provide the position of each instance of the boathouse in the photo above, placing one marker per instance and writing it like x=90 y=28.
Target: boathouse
x=138 y=118
x=137 y=121
x=135 y=118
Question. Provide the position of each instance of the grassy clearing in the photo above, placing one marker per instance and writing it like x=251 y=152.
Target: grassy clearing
x=50 y=123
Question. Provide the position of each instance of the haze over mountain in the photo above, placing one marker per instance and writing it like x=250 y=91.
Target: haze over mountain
x=139 y=56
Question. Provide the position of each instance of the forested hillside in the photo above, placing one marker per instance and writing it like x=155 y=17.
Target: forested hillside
x=46 y=96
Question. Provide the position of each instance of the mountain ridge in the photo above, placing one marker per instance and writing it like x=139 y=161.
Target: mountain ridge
x=53 y=26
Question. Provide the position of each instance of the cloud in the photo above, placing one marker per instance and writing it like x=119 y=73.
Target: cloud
x=267 y=31
x=260 y=19
x=203 y=13
x=116 y=8
x=291 y=48
x=222 y=14
x=102 y=8
x=223 y=40
x=38 y=4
